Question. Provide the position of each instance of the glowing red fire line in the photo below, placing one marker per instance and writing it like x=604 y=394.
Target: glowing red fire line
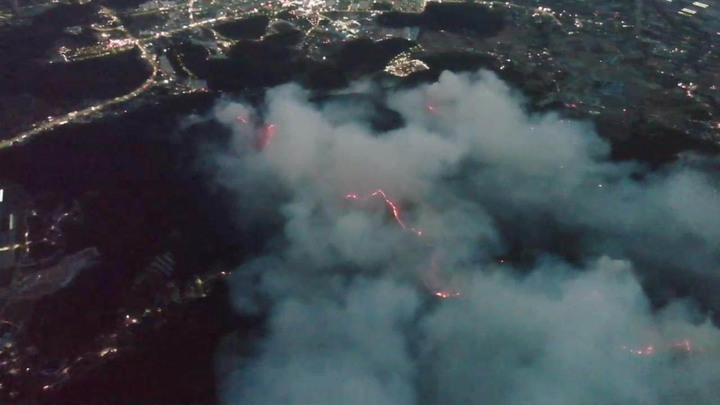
x=430 y=284
x=685 y=346
x=390 y=203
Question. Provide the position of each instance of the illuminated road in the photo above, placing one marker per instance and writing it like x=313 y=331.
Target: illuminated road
x=146 y=54
x=55 y=122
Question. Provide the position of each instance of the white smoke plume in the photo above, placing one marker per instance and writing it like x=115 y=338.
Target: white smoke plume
x=348 y=289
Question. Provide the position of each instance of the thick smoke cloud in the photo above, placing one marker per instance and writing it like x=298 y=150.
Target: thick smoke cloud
x=509 y=342
x=349 y=293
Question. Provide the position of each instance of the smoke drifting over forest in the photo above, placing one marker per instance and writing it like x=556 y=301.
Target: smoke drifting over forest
x=561 y=267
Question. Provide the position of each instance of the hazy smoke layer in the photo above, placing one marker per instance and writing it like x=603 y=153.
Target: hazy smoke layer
x=350 y=289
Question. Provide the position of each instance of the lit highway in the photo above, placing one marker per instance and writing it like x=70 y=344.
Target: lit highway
x=54 y=122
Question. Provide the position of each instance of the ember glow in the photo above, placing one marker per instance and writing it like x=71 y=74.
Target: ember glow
x=645 y=351
x=262 y=135
x=447 y=294
x=684 y=346
x=265 y=136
